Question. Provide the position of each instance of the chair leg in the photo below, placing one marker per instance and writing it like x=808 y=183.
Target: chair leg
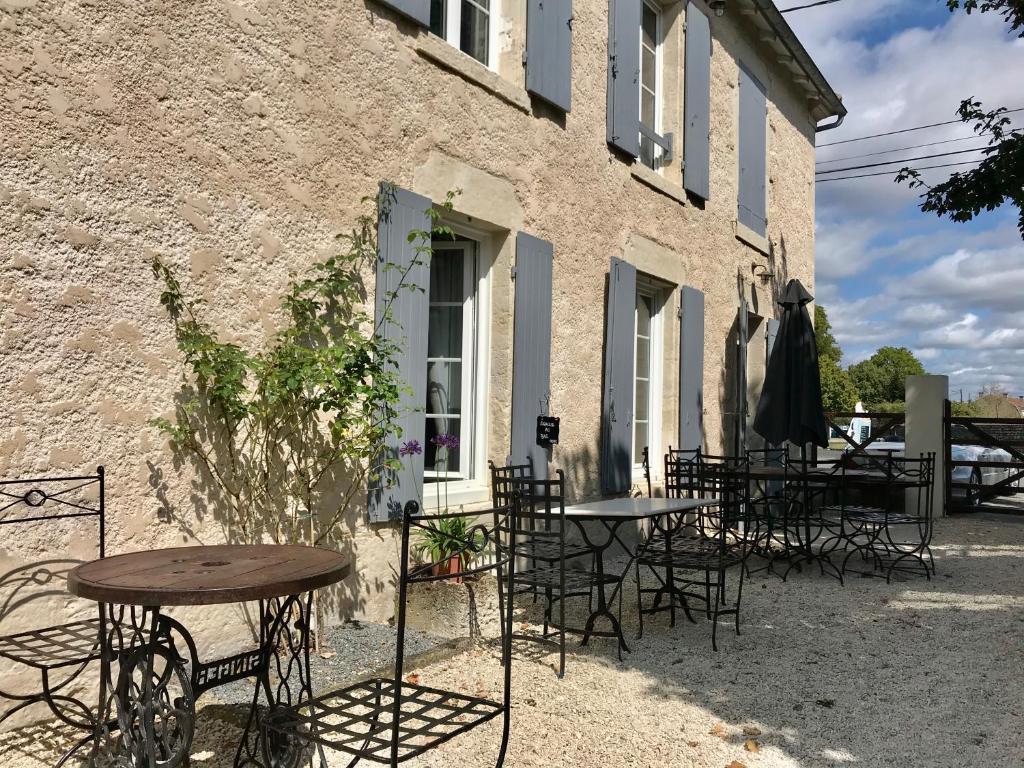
x=739 y=597
x=639 y=602
x=501 y=612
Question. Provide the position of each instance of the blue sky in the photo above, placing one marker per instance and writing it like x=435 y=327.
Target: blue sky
x=887 y=273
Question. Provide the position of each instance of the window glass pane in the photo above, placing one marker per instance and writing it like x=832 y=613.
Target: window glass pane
x=649 y=27
x=438 y=20
x=640 y=412
x=647 y=67
x=444 y=334
x=444 y=389
x=643 y=315
x=640 y=435
x=446 y=276
x=439 y=459
x=474 y=32
x=643 y=359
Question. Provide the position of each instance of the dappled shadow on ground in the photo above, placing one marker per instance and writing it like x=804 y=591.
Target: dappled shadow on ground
x=913 y=674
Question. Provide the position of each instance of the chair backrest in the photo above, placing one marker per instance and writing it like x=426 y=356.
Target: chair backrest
x=768 y=457
x=507 y=481
x=916 y=475
x=682 y=473
x=49 y=502
x=469 y=536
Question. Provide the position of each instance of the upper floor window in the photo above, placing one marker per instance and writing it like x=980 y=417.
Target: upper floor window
x=650 y=65
x=466 y=24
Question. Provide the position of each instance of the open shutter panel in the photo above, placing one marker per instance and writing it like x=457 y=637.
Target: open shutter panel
x=417 y=10
x=752 y=148
x=742 y=332
x=549 y=51
x=402 y=288
x=697 y=104
x=691 y=369
x=617 y=416
x=624 y=75
x=771 y=332
x=531 y=356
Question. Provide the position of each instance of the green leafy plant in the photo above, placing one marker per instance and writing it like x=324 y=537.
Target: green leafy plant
x=290 y=434
x=447 y=537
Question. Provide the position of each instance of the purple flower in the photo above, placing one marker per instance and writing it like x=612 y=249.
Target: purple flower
x=451 y=442
x=410 y=448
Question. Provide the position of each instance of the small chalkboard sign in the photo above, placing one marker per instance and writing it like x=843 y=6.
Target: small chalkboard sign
x=547 y=431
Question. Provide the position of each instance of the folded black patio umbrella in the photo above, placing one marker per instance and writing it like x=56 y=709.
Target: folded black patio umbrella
x=790 y=408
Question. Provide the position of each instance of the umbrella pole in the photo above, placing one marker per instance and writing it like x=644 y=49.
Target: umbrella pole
x=807 y=501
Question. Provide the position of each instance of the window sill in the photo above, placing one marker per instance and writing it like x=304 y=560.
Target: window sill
x=657 y=182
x=467 y=495
x=448 y=56
x=758 y=242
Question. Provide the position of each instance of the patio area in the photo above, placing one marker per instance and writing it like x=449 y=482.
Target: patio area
x=915 y=673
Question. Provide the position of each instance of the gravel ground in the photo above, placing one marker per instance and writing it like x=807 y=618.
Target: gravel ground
x=914 y=674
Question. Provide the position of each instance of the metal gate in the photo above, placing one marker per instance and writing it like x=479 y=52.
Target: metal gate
x=984 y=463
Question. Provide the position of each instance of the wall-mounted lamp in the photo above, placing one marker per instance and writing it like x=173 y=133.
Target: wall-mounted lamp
x=718 y=7
x=761 y=270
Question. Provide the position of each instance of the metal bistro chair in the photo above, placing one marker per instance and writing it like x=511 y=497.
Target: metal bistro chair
x=896 y=535
x=542 y=539
x=390 y=720
x=61 y=652
x=704 y=547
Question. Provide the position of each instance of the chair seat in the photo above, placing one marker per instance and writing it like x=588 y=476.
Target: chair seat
x=549 y=549
x=52 y=647
x=359 y=719
x=551 y=576
x=874 y=515
x=696 y=554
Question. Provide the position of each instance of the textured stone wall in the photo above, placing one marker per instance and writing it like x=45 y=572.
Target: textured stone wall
x=236 y=139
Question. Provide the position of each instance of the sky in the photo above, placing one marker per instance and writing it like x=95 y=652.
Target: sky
x=887 y=273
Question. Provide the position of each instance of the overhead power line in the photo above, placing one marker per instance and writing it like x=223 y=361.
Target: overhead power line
x=809 y=5
x=895 y=149
x=902 y=160
x=891 y=173
x=905 y=130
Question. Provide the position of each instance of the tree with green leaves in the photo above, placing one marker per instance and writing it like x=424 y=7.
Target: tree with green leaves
x=838 y=393
x=999 y=177
x=882 y=378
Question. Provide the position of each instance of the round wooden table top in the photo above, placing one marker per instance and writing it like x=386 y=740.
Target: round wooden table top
x=207 y=575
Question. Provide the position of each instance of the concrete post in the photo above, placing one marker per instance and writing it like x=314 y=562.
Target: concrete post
x=926 y=396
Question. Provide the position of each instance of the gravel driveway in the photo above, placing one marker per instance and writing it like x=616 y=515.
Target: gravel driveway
x=912 y=674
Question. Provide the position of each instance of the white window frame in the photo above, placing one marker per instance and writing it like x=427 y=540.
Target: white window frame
x=654 y=382
x=475 y=377
x=659 y=89
x=453 y=29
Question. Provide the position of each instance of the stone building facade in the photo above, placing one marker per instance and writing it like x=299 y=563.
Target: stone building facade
x=236 y=139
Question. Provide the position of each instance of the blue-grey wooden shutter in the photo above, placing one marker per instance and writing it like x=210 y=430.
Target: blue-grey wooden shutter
x=697 y=104
x=742 y=332
x=549 y=51
x=416 y=10
x=771 y=333
x=619 y=344
x=531 y=349
x=752 y=153
x=624 y=75
x=401 y=309
x=691 y=368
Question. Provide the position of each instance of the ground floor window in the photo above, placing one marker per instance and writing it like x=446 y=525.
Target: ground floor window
x=647 y=365
x=455 y=422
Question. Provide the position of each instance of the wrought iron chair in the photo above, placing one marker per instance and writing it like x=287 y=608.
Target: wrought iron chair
x=703 y=548
x=542 y=532
x=59 y=653
x=896 y=534
x=391 y=720
x=776 y=506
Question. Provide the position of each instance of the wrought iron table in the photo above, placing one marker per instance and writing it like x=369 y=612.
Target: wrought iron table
x=611 y=514
x=160 y=674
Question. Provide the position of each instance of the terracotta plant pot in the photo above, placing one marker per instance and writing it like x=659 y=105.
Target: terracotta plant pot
x=451 y=565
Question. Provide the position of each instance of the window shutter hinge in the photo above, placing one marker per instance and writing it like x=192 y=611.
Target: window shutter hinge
x=525 y=53
x=512 y=272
